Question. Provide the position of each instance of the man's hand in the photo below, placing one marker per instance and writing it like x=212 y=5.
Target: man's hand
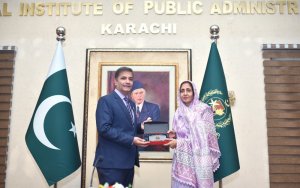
x=140 y=142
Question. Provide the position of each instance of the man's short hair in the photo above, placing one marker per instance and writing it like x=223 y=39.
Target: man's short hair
x=122 y=69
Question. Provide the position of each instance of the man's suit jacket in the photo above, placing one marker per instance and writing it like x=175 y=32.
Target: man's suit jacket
x=149 y=110
x=115 y=147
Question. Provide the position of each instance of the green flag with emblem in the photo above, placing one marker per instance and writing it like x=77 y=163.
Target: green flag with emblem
x=214 y=93
x=51 y=135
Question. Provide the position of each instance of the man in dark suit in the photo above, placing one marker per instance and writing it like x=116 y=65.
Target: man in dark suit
x=144 y=110
x=116 y=152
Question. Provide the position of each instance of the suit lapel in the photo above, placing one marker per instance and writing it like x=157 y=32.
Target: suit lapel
x=144 y=113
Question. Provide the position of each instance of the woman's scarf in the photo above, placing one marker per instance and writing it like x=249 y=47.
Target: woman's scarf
x=197 y=153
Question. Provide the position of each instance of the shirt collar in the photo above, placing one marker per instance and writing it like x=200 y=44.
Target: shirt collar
x=140 y=106
x=120 y=94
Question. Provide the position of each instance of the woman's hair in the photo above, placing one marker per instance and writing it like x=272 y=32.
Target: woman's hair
x=188 y=82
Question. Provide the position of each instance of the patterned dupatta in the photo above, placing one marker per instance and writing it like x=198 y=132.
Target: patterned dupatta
x=197 y=154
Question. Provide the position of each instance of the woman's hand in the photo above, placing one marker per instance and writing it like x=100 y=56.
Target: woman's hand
x=172 y=144
x=171 y=134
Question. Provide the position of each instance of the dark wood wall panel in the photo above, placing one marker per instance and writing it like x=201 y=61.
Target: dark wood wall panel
x=289 y=132
x=5 y=97
x=281 y=105
x=283 y=97
x=281 y=54
x=282 y=79
x=283 y=114
x=283 y=141
x=7 y=56
x=284 y=185
x=282 y=89
x=3 y=123
x=4 y=115
x=270 y=63
x=286 y=149
x=279 y=123
x=282 y=70
x=292 y=178
x=285 y=169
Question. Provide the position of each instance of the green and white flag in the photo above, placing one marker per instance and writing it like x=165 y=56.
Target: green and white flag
x=214 y=93
x=51 y=135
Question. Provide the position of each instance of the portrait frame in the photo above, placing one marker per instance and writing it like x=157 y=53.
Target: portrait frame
x=176 y=62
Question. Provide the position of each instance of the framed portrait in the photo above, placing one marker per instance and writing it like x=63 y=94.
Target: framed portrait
x=159 y=70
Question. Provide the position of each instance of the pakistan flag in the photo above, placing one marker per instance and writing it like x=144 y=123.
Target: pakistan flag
x=51 y=135
x=214 y=93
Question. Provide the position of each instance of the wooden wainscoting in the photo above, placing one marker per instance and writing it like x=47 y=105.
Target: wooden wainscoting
x=7 y=61
x=282 y=89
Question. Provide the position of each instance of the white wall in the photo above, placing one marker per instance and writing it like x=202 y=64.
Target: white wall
x=241 y=38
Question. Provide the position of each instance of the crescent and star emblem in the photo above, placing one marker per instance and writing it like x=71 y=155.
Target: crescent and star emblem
x=40 y=115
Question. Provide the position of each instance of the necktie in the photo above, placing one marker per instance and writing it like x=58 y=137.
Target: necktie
x=138 y=111
x=129 y=109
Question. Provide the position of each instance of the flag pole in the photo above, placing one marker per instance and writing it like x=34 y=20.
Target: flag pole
x=61 y=32
x=214 y=31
